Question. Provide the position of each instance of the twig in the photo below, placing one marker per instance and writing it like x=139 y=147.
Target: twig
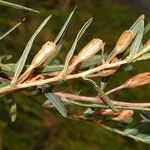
x=97 y=100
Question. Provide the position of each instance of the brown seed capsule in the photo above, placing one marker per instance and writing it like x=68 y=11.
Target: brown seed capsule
x=123 y=115
x=138 y=80
x=123 y=42
x=48 y=49
x=87 y=52
x=45 y=52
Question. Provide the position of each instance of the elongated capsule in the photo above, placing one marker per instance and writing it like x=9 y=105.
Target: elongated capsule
x=123 y=42
x=87 y=52
x=48 y=49
x=138 y=80
x=123 y=115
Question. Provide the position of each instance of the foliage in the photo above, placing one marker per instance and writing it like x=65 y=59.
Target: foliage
x=133 y=52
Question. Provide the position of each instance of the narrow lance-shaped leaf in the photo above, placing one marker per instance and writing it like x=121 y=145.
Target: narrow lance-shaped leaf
x=105 y=98
x=144 y=57
x=71 y=52
x=22 y=60
x=64 y=28
x=137 y=42
x=5 y=57
x=56 y=102
x=96 y=59
x=9 y=31
x=147 y=28
x=13 y=112
x=59 y=37
x=135 y=27
x=4 y=3
x=145 y=49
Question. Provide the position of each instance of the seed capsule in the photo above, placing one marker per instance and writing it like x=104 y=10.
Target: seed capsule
x=123 y=42
x=123 y=115
x=45 y=52
x=87 y=52
x=138 y=80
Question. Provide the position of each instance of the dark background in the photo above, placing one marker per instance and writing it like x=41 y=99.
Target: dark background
x=37 y=128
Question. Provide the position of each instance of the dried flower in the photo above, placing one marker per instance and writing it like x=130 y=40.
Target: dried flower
x=123 y=115
x=123 y=42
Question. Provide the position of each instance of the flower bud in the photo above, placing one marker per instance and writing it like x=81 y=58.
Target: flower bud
x=89 y=50
x=47 y=50
x=123 y=42
x=123 y=115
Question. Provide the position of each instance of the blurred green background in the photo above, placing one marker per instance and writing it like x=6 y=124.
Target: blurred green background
x=37 y=128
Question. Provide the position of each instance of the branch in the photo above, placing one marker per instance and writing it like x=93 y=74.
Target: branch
x=97 y=100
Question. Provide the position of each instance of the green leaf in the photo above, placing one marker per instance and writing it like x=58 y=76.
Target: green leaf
x=101 y=93
x=137 y=42
x=71 y=52
x=13 y=112
x=64 y=28
x=88 y=112
x=132 y=131
x=56 y=102
x=22 y=60
x=10 y=30
x=59 y=37
x=141 y=132
x=145 y=115
x=5 y=58
x=126 y=68
x=5 y=67
x=97 y=59
x=136 y=26
x=4 y=3
x=51 y=68
x=147 y=28
x=144 y=57
x=47 y=104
